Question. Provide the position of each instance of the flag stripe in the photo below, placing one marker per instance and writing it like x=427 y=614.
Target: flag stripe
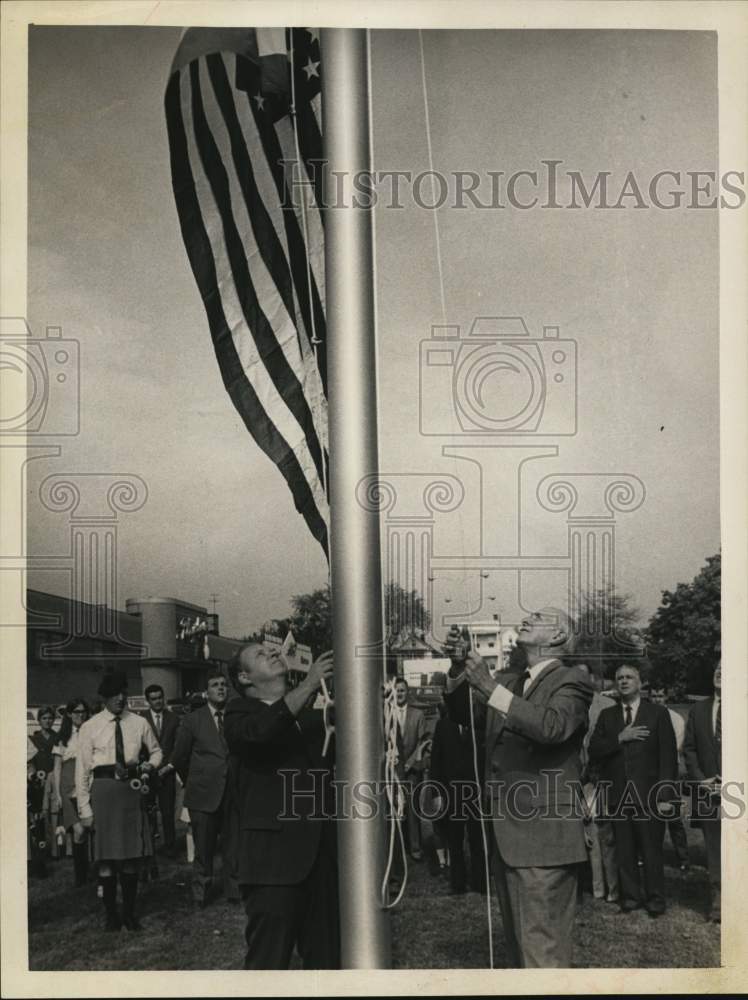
x=258 y=131
x=255 y=122
x=241 y=391
x=270 y=350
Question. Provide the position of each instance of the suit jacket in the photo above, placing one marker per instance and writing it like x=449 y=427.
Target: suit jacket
x=169 y=727
x=410 y=737
x=533 y=769
x=282 y=822
x=200 y=757
x=702 y=755
x=452 y=754
x=642 y=763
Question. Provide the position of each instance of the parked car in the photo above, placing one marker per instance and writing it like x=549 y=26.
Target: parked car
x=179 y=706
x=137 y=703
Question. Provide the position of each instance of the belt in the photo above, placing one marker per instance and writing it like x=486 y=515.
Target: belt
x=107 y=771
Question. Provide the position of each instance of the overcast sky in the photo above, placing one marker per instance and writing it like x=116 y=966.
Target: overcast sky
x=637 y=289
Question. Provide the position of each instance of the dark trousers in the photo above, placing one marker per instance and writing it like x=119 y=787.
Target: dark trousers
x=304 y=915
x=679 y=839
x=641 y=837
x=206 y=829
x=456 y=830
x=712 y=835
x=167 y=796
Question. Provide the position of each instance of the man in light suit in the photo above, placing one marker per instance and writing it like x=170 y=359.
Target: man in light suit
x=201 y=759
x=164 y=725
x=702 y=749
x=411 y=732
x=535 y=725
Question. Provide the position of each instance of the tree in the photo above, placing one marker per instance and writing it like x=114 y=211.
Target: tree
x=311 y=618
x=607 y=632
x=684 y=634
x=404 y=610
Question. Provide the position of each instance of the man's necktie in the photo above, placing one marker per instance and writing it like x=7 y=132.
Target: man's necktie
x=718 y=734
x=520 y=688
x=219 y=720
x=158 y=726
x=119 y=743
x=628 y=715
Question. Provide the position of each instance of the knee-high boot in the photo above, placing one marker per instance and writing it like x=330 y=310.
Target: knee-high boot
x=129 y=883
x=80 y=863
x=109 y=888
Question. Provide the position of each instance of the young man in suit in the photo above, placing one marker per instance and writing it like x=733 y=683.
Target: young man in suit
x=535 y=725
x=287 y=839
x=702 y=749
x=453 y=769
x=201 y=759
x=411 y=732
x=634 y=747
x=164 y=725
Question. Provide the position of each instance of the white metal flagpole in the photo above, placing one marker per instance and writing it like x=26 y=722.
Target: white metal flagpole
x=355 y=551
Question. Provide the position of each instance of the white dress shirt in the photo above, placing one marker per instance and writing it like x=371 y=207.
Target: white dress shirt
x=96 y=747
x=214 y=711
x=70 y=751
x=501 y=698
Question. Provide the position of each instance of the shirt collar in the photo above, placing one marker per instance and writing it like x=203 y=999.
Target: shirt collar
x=634 y=706
x=538 y=668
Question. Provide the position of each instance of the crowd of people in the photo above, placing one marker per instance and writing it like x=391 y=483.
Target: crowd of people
x=537 y=774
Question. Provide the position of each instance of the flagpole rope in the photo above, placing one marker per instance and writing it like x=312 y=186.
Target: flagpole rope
x=432 y=175
x=315 y=340
x=462 y=531
x=393 y=789
x=395 y=799
x=437 y=237
x=483 y=835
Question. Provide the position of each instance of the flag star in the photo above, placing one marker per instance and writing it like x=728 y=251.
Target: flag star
x=311 y=69
x=314 y=33
x=260 y=100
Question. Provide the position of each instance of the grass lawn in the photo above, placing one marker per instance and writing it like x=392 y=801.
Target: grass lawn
x=430 y=928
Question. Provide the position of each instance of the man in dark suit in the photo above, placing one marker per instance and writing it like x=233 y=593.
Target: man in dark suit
x=453 y=769
x=634 y=746
x=201 y=759
x=535 y=725
x=164 y=725
x=411 y=733
x=287 y=851
x=702 y=749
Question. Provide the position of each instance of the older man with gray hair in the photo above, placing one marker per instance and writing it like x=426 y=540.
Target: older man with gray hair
x=535 y=726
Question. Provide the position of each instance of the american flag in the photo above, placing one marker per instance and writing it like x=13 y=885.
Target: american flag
x=243 y=112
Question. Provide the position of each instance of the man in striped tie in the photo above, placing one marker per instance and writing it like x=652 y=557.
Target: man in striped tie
x=535 y=726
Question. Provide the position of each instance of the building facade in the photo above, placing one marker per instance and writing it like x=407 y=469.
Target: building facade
x=69 y=644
